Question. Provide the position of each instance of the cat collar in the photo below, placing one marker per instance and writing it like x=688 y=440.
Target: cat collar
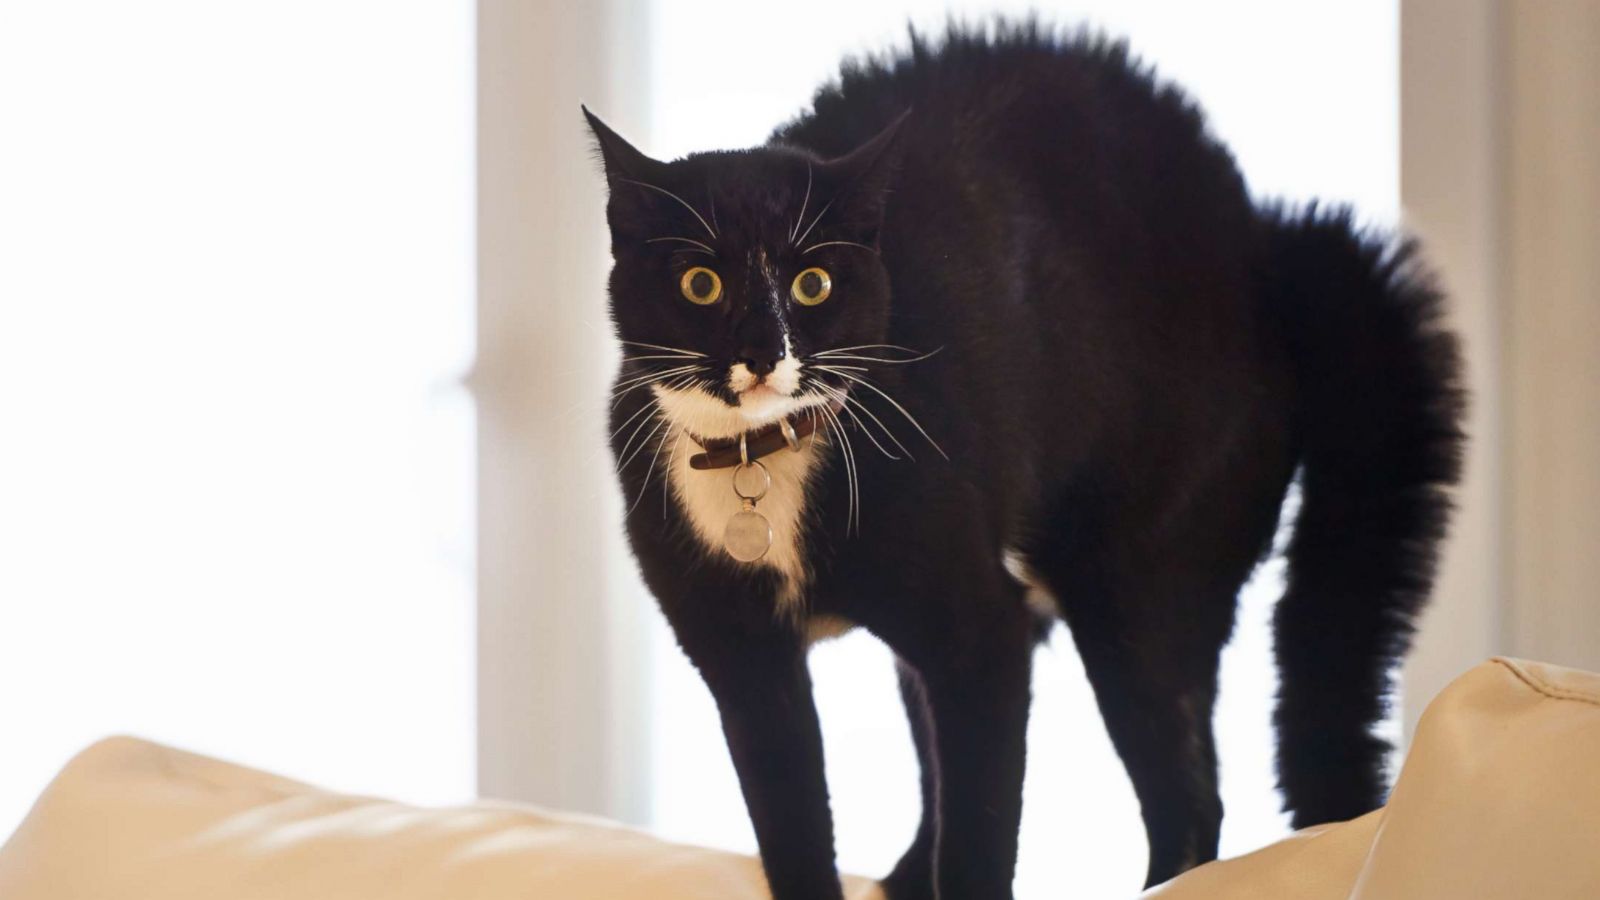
x=722 y=453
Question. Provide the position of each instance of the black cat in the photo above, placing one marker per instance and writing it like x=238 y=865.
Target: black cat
x=995 y=335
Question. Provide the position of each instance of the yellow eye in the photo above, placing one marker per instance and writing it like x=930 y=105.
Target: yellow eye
x=811 y=287
x=701 y=286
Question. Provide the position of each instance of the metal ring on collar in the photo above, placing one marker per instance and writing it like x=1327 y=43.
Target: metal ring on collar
x=789 y=437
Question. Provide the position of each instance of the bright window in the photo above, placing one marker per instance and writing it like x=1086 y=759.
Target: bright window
x=1306 y=94
x=235 y=302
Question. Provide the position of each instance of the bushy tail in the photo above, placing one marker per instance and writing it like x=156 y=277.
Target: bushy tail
x=1379 y=407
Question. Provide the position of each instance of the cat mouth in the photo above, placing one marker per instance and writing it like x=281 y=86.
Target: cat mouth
x=760 y=391
x=762 y=401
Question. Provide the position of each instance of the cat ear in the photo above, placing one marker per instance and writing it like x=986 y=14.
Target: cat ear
x=622 y=160
x=639 y=200
x=863 y=178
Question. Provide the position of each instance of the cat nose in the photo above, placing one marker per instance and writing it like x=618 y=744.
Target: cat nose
x=760 y=362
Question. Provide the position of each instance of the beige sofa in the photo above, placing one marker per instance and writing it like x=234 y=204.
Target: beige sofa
x=1499 y=798
x=130 y=820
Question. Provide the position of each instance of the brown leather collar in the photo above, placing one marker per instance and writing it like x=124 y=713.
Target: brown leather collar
x=721 y=453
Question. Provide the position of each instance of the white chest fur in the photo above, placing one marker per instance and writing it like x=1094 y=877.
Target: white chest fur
x=707 y=498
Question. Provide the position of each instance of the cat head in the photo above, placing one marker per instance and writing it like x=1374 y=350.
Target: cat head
x=732 y=271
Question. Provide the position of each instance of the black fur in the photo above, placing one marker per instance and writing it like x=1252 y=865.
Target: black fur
x=1133 y=363
x=1378 y=423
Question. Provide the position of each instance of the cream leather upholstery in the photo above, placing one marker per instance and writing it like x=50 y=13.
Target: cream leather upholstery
x=1499 y=798
x=129 y=820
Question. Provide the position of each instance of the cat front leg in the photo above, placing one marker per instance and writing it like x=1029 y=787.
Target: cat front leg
x=980 y=715
x=974 y=660
x=912 y=876
x=758 y=677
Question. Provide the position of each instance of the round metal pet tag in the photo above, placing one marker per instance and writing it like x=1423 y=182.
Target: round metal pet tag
x=748 y=536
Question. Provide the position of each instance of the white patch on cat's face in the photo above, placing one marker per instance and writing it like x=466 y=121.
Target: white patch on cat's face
x=770 y=399
x=781 y=382
x=707 y=416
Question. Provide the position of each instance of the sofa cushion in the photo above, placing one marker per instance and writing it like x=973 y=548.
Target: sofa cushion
x=130 y=819
x=1499 y=798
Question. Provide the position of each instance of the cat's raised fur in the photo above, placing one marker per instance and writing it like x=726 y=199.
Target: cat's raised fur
x=1078 y=366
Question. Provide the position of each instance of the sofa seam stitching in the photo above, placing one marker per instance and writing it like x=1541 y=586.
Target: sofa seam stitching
x=1545 y=688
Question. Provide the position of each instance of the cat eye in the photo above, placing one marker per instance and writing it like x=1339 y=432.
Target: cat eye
x=700 y=286
x=811 y=287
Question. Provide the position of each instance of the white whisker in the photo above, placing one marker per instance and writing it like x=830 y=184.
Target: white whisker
x=636 y=414
x=709 y=230
x=845 y=408
x=685 y=240
x=667 y=356
x=683 y=381
x=626 y=391
x=666 y=483
x=814 y=222
x=623 y=456
x=877 y=347
x=829 y=355
x=688 y=366
x=872 y=250
x=694 y=353
x=655 y=458
x=847 y=401
x=879 y=391
x=660 y=424
x=806 y=200
x=633 y=381
x=662 y=378
x=852 y=483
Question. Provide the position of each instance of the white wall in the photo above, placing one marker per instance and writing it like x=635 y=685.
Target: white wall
x=1452 y=153
x=1552 y=329
x=1501 y=114
x=235 y=470
x=562 y=718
